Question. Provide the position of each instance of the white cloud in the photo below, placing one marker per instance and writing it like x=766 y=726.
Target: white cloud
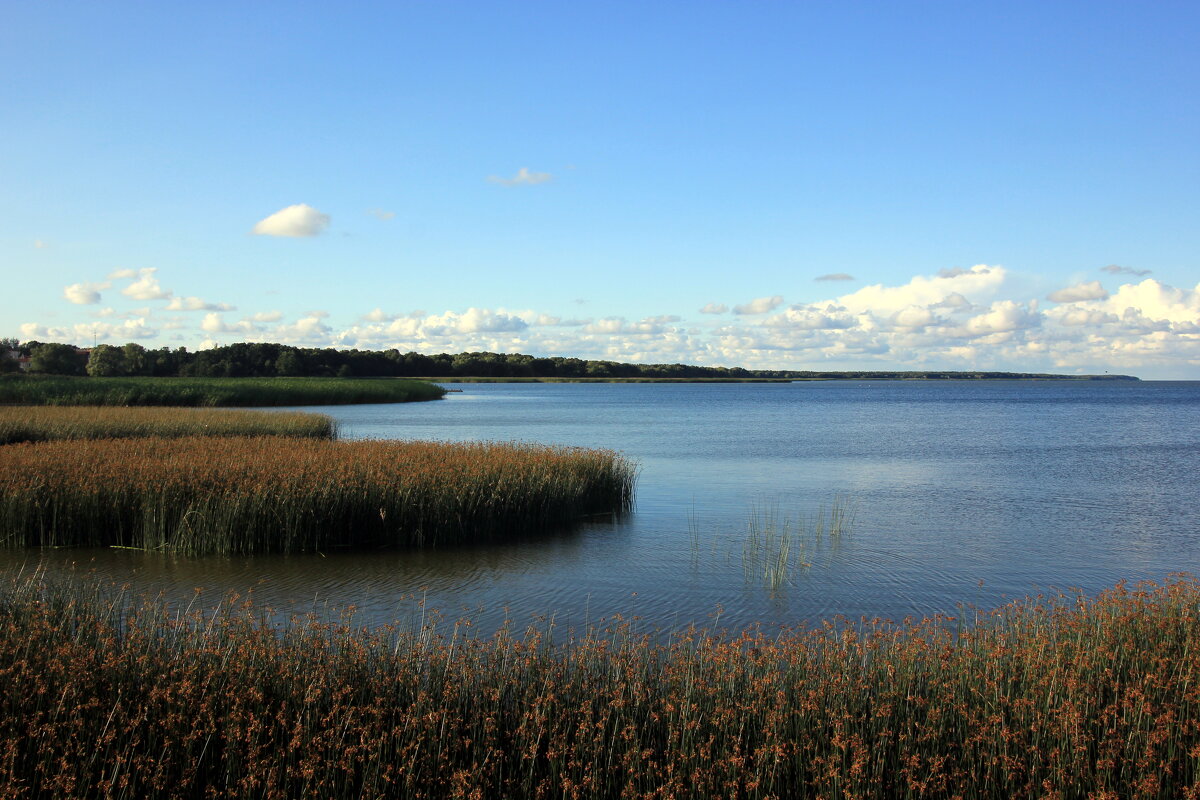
x=85 y=294
x=145 y=287
x=1157 y=300
x=295 y=221
x=473 y=320
x=84 y=333
x=923 y=291
x=122 y=274
x=380 y=214
x=524 y=177
x=913 y=317
x=714 y=308
x=196 y=304
x=1005 y=316
x=267 y=316
x=378 y=315
x=759 y=305
x=1091 y=290
x=812 y=318
x=1075 y=316
x=835 y=276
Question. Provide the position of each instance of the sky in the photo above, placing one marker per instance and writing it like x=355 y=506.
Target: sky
x=1002 y=186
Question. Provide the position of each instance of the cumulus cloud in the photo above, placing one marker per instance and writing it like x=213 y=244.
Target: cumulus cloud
x=145 y=287
x=923 y=291
x=119 y=332
x=812 y=318
x=296 y=221
x=85 y=294
x=524 y=177
x=1004 y=316
x=1092 y=290
x=1114 y=269
x=714 y=308
x=835 y=276
x=759 y=305
x=122 y=274
x=267 y=316
x=196 y=304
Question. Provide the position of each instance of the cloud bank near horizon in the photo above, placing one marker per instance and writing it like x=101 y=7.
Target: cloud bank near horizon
x=959 y=318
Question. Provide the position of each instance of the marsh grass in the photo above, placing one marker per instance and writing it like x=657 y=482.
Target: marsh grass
x=777 y=547
x=52 y=423
x=1061 y=696
x=67 y=391
x=238 y=495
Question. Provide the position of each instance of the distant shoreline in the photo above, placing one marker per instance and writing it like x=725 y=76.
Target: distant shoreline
x=804 y=378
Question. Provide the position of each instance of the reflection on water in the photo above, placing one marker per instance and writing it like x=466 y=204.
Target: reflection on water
x=1017 y=485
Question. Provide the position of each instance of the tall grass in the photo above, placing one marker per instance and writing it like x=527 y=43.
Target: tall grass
x=776 y=547
x=51 y=423
x=247 y=495
x=1051 y=697
x=67 y=391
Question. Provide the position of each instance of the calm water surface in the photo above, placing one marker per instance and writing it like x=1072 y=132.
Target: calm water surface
x=961 y=491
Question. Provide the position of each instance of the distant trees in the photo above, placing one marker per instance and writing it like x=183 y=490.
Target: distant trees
x=57 y=359
x=261 y=359
x=106 y=361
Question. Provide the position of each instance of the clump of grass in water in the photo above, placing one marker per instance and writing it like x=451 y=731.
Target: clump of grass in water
x=776 y=547
x=53 y=423
x=1058 y=696
x=236 y=495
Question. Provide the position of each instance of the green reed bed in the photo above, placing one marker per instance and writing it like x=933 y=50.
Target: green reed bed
x=67 y=391
x=1051 y=697
x=275 y=494
x=53 y=423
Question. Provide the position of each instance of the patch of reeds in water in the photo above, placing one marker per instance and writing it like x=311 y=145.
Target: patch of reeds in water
x=273 y=494
x=67 y=391
x=1051 y=697
x=777 y=547
x=52 y=423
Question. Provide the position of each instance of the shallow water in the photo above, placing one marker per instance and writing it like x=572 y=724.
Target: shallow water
x=961 y=492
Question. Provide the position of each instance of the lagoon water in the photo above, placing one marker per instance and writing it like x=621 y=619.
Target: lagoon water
x=962 y=492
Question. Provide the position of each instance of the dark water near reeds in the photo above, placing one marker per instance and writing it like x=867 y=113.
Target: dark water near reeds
x=961 y=492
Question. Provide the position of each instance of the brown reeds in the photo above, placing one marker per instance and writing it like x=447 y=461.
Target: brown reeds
x=246 y=495
x=51 y=423
x=1051 y=697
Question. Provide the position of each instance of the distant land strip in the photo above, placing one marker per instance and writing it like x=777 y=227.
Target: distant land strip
x=267 y=360
x=807 y=376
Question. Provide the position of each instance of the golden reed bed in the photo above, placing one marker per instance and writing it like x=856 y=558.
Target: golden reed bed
x=1061 y=697
x=260 y=494
x=52 y=423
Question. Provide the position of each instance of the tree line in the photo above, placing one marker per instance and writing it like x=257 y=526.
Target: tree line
x=260 y=360
x=264 y=360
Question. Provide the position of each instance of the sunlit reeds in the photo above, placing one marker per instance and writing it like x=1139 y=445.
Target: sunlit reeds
x=51 y=423
x=1051 y=697
x=66 y=391
x=247 y=495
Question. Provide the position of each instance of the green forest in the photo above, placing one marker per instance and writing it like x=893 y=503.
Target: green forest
x=262 y=360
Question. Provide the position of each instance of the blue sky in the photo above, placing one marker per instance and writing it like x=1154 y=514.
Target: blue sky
x=1008 y=186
